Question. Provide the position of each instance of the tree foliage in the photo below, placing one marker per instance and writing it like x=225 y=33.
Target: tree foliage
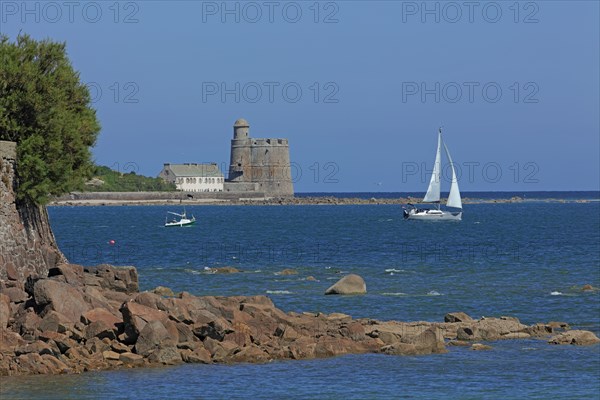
x=114 y=181
x=45 y=108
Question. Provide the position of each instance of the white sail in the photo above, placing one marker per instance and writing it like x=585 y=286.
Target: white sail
x=433 y=192
x=454 y=196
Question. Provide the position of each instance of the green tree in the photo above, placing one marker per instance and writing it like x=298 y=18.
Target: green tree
x=45 y=108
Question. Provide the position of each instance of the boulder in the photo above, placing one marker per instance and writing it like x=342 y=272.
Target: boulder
x=27 y=324
x=457 y=317
x=135 y=318
x=10 y=340
x=11 y=272
x=152 y=336
x=287 y=271
x=350 y=284
x=16 y=295
x=97 y=345
x=152 y=300
x=110 y=355
x=354 y=331
x=251 y=354
x=386 y=337
x=117 y=297
x=179 y=310
x=101 y=330
x=495 y=328
x=558 y=325
x=286 y=333
x=467 y=333
x=95 y=297
x=78 y=353
x=335 y=317
x=72 y=273
x=328 y=346
x=119 y=347
x=131 y=359
x=60 y=297
x=38 y=347
x=184 y=332
x=241 y=339
x=462 y=343
x=220 y=351
x=400 y=349
x=101 y=314
x=480 y=346
x=429 y=341
x=163 y=291
x=54 y=365
x=56 y=322
x=539 y=330
x=168 y=355
x=575 y=337
x=197 y=356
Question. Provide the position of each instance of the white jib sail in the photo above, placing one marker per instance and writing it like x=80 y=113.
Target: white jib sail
x=433 y=192
x=454 y=196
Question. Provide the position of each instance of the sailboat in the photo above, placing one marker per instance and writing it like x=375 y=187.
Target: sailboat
x=183 y=221
x=433 y=192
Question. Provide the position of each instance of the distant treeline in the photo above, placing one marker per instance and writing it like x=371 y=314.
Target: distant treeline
x=114 y=181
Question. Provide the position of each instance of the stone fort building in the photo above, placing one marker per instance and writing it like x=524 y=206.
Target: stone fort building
x=258 y=165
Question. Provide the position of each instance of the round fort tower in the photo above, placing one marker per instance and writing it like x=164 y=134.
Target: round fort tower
x=263 y=162
x=240 y=162
x=241 y=129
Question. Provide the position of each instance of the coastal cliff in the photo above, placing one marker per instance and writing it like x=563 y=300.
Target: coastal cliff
x=27 y=245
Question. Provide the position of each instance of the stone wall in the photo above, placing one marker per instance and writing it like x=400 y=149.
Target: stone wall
x=243 y=189
x=149 y=196
x=27 y=245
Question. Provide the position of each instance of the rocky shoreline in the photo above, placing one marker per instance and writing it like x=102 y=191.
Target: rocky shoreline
x=93 y=318
x=322 y=200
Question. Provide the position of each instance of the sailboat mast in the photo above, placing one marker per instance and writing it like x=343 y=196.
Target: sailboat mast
x=440 y=176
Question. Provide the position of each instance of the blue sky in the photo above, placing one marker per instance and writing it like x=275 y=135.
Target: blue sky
x=359 y=88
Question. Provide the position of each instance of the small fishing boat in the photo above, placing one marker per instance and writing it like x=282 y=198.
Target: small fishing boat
x=183 y=220
x=433 y=193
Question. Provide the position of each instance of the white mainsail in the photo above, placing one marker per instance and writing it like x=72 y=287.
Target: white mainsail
x=433 y=192
x=454 y=196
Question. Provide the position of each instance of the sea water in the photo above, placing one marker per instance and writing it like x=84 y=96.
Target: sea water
x=527 y=260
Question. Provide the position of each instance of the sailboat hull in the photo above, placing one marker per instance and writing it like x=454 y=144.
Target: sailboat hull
x=433 y=215
x=182 y=222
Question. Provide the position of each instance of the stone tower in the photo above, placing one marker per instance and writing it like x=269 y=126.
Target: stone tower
x=262 y=162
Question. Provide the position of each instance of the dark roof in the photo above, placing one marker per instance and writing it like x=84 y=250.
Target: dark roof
x=204 y=170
